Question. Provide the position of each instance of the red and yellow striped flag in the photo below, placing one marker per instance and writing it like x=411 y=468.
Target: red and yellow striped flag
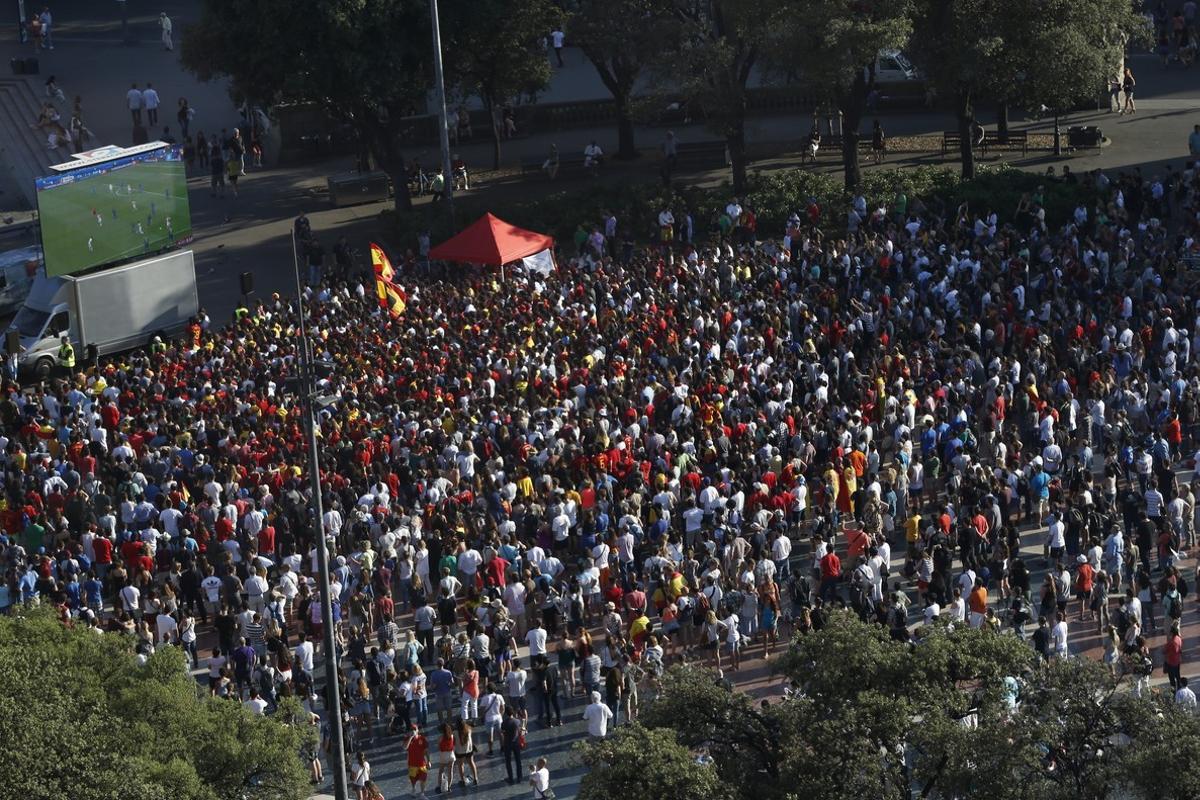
x=391 y=296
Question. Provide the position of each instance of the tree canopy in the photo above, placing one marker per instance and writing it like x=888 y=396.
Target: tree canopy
x=622 y=39
x=957 y=712
x=366 y=62
x=1045 y=52
x=833 y=44
x=642 y=762
x=81 y=718
x=710 y=60
x=494 y=50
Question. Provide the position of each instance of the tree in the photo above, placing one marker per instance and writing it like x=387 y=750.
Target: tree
x=366 y=62
x=640 y=762
x=494 y=51
x=1049 y=52
x=1161 y=760
x=1071 y=49
x=81 y=718
x=621 y=38
x=717 y=46
x=962 y=51
x=705 y=714
x=834 y=44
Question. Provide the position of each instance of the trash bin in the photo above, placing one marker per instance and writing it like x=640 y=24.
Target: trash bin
x=1084 y=136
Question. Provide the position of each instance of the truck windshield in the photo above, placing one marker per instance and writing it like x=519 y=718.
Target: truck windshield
x=30 y=322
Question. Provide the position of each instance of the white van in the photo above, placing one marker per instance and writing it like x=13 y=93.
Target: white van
x=892 y=67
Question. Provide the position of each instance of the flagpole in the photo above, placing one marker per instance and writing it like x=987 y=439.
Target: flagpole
x=439 y=85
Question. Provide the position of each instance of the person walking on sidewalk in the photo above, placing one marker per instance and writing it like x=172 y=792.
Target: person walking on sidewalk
x=164 y=23
x=151 y=103
x=134 y=98
x=46 y=20
x=556 y=38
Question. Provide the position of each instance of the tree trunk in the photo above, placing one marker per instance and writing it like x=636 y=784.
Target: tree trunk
x=1057 y=135
x=851 y=170
x=1002 y=122
x=490 y=107
x=381 y=140
x=402 y=200
x=966 y=116
x=735 y=143
x=850 y=114
x=626 y=148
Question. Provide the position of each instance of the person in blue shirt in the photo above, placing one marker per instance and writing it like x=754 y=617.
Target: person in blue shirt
x=93 y=591
x=929 y=439
x=441 y=684
x=28 y=586
x=1039 y=489
x=72 y=590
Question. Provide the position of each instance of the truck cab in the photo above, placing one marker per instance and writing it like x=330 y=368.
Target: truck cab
x=41 y=322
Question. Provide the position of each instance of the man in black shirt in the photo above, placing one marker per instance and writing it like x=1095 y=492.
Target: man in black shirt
x=510 y=743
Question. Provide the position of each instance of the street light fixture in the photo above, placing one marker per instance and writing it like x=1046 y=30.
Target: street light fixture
x=333 y=699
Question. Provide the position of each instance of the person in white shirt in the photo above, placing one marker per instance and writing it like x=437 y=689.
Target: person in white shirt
x=556 y=38
x=165 y=628
x=516 y=684
x=536 y=639
x=593 y=156
x=539 y=779
x=164 y=23
x=255 y=705
x=1184 y=696
x=781 y=552
x=1058 y=636
x=304 y=654
x=598 y=714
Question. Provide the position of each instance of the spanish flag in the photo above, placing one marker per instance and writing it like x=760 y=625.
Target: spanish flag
x=391 y=296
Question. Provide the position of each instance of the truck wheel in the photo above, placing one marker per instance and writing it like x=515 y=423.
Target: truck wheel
x=43 y=368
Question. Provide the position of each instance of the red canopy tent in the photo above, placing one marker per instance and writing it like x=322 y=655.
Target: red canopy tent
x=491 y=240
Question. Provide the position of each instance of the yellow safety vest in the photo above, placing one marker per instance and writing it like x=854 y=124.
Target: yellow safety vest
x=66 y=355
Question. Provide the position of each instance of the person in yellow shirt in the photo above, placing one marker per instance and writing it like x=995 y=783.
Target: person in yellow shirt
x=912 y=528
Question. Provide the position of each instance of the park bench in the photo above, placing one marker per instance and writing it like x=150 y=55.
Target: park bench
x=951 y=142
x=701 y=152
x=1013 y=139
x=567 y=164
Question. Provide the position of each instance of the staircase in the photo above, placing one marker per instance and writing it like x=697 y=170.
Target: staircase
x=23 y=151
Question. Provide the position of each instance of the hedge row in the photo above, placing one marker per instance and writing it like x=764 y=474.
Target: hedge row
x=773 y=196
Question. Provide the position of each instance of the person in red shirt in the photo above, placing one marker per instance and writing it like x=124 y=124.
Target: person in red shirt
x=385 y=607
x=1173 y=655
x=495 y=571
x=266 y=539
x=417 y=747
x=131 y=550
x=831 y=575
x=103 y=547
x=1085 y=576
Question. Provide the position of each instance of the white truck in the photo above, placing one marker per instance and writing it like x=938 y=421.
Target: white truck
x=112 y=310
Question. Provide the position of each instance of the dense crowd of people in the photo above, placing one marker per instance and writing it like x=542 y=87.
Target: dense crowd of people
x=539 y=492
